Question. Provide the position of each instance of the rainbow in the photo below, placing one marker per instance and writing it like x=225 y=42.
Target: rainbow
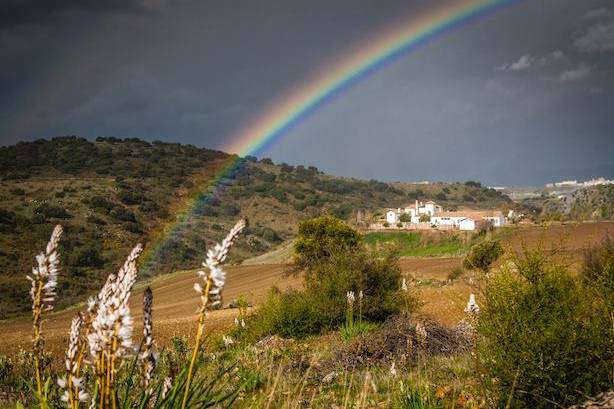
x=291 y=108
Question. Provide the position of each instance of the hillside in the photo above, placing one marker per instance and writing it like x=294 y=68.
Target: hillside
x=590 y=203
x=111 y=193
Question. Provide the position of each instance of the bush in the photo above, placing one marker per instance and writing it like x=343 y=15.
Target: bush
x=545 y=338
x=270 y=235
x=123 y=214
x=289 y=314
x=317 y=237
x=50 y=211
x=482 y=255
x=99 y=202
x=424 y=218
x=598 y=267
x=335 y=263
x=131 y=198
x=456 y=273
x=87 y=256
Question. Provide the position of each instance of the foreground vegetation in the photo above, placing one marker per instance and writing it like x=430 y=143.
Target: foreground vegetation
x=536 y=334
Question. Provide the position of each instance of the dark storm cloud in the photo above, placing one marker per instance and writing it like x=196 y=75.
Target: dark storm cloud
x=19 y=12
x=523 y=95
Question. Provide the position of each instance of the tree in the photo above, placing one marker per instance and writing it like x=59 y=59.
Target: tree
x=319 y=237
x=425 y=218
x=482 y=255
x=405 y=218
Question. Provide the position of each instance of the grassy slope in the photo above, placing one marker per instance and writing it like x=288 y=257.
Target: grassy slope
x=112 y=193
x=419 y=244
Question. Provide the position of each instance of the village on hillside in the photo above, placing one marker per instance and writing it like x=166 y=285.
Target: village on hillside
x=430 y=215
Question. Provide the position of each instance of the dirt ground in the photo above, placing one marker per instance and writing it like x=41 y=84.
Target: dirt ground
x=175 y=301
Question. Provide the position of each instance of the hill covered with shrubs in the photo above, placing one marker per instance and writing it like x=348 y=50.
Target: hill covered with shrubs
x=111 y=193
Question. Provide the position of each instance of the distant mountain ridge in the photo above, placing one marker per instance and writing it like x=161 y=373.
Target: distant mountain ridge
x=112 y=192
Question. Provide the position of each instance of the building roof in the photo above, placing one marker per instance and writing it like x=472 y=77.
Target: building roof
x=413 y=205
x=472 y=214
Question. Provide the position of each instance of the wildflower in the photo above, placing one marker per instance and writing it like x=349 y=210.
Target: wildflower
x=421 y=333
x=147 y=357
x=211 y=294
x=215 y=280
x=393 y=370
x=472 y=307
x=404 y=285
x=228 y=341
x=350 y=297
x=166 y=386
x=44 y=280
x=110 y=335
x=360 y=295
x=71 y=383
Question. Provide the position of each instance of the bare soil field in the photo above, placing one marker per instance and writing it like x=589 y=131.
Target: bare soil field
x=174 y=308
x=572 y=237
x=176 y=303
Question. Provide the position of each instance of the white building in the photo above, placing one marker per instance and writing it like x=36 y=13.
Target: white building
x=468 y=218
x=466 y=224
x=419 y=208
x=392 y=216
x=462 y=220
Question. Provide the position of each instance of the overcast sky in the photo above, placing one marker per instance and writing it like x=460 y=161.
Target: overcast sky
x=521 y=96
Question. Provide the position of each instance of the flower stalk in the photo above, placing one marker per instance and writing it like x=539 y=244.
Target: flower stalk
x=111 y=327
x=44 y=280
x=72 y=383
x=210 y=293
x=147 y=357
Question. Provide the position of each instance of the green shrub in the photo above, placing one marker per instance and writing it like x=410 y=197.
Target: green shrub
x=99 y=202
x=598 y=268
x=270 y=235
x=317 y=237
x=424 y=218
x=87 y=256
x=123 y=214
x=456 y=272
x=335 y=263
x=544 y=337
x=288 y=314
x=51 y=211
x=482 y=255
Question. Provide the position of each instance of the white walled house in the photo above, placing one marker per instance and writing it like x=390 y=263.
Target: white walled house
x=466 y=224
x=466 y=220
x=392 y=216
x=469 y=219
x=418 y=208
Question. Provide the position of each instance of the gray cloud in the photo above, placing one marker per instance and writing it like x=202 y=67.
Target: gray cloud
x=522 y=63
x=554 y=56
x=598 y=13
x=597 y=38
x=581 y=72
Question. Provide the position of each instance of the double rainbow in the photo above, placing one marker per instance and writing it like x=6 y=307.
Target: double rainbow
x=290 y=109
